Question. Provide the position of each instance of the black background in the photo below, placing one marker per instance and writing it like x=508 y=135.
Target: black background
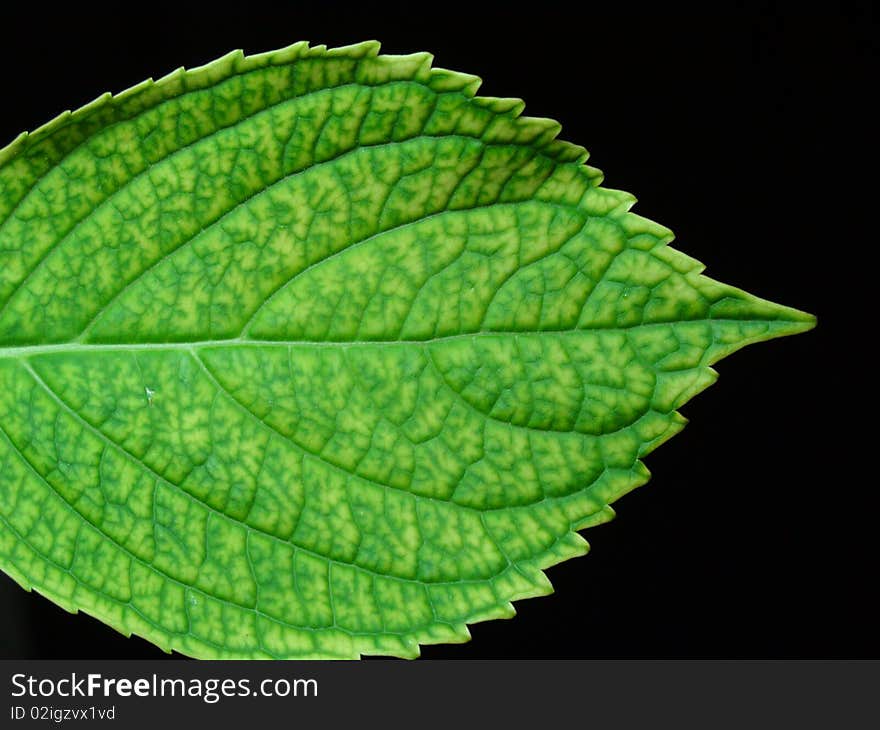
x=748 y=134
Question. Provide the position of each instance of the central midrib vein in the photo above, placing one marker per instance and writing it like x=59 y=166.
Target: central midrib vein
x=19 y=351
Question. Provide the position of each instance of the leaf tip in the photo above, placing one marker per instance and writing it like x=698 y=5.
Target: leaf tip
x=799 y=321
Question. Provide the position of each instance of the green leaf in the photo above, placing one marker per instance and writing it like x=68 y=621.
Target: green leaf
x=317 y=353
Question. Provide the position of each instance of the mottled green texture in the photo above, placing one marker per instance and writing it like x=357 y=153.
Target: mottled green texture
x=316 y=353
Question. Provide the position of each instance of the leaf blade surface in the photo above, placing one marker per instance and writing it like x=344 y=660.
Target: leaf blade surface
x=317 y=353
